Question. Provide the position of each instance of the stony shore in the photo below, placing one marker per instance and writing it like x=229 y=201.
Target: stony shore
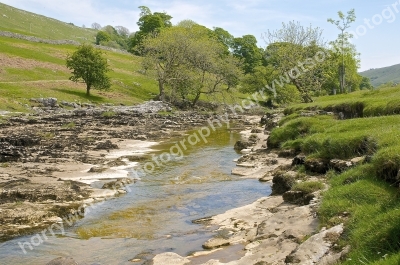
x=48 y=159
x=280 y=229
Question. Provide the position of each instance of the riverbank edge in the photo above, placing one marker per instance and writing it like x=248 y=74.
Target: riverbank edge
x=26 y=210
x=272 y=230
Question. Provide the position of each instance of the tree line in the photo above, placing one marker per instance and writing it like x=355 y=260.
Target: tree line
x=190 y=61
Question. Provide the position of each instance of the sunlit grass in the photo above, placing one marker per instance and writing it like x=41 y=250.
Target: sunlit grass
x=26 y=23
x=41 y=72
x=365 y=198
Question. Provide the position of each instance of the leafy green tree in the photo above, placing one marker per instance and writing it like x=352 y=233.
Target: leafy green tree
x=148 y=23
x=225 y=38
x=88 y=64
x=263 y=78
x=246 y=49
x=113 y=37
x=292 y=51
x=190 y=62
x=343 y=55
x=342 y=24
x=366 y=84
x=102 y=36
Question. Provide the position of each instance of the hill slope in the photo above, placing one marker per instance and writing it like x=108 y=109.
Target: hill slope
x=27 y=23
x=33 y=70
x=383 y=75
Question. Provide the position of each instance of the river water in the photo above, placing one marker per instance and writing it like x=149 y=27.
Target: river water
x=155 y=215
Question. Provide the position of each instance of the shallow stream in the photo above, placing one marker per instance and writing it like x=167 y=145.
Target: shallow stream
x=155 y=215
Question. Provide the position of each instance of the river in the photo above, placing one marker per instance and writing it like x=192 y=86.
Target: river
x=156 y=214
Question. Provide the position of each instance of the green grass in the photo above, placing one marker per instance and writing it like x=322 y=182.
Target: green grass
x=35 y=70
x=308 y=187
x=365 y=198
x=373 y=207
x=26 y=23
x=379 y=102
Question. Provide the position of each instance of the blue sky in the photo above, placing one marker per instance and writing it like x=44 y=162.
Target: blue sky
x=377 y=40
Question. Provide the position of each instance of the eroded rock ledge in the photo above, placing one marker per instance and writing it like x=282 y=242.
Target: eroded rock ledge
x=280 y=229
x=43 y=155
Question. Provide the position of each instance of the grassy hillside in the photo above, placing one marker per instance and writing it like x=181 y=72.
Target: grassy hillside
x=365 y=198
x=383 y=75
x=26 y=23
x=31 y=70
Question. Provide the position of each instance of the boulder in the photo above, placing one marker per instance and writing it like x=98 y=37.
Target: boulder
x=216 y=243
x=340 y=165
x=299 y=160
x=45 y=102
x=270 y=120
x=282 y=183
x=240 y=145
x=317 y=165
x=314 y=249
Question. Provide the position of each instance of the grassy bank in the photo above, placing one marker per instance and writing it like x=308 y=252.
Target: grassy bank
x=364 y=103
x=32 y=70
x=365 y=198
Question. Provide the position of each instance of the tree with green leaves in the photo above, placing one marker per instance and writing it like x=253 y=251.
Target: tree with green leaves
x=366 y=83
x=245 y=48
x=343 y=23
x=148 y=23
x=190 y=62
x=88 y=65
x=113 y=37
x=225 y=38
x=102 y=37
x=347 y=56
x=291 y=51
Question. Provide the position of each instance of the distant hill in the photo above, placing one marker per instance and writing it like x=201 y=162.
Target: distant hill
x=383 y=75
x=27 y=23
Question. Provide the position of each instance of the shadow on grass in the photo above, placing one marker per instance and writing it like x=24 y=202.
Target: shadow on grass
x=82 y=94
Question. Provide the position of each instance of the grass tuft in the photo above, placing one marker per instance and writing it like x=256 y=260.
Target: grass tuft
x=308 y=187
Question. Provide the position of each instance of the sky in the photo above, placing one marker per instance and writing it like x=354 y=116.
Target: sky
x=376 y=28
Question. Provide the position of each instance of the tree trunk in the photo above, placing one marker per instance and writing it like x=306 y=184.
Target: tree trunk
x=196 y=99
x=87 y=89
x=161 y=96
x=307 y=98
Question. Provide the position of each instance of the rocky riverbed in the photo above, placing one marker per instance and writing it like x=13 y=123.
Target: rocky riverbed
x=279 y=229
x=48 y=159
